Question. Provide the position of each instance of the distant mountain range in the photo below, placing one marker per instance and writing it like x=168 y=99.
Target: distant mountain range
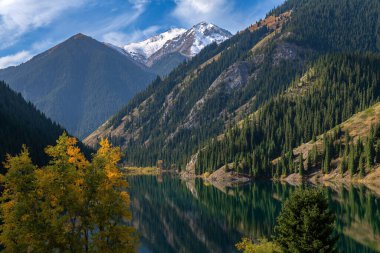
x=81 y=82
x=141 y=51
x=163 y=52
x=78 y=83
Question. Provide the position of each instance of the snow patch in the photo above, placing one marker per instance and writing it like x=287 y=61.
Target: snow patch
x=144 y=49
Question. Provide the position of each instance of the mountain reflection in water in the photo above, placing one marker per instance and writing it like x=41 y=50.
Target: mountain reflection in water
x=176 y=216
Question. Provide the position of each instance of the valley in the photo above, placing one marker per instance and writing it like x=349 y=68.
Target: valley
x=149 y=127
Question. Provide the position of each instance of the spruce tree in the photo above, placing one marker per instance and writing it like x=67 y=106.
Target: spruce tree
x=369 y=152
x=343 y=165
x=351 y=162
x=377 y=151
x=305 y=223
x=277 y=174
x=361 y=167
x=301 y=169
x=308 y=163
x=326 y=165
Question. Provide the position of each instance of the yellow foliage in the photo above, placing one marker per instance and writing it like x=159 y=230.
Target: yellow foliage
x=137 y=171
x=68 y=206
x=263 y=246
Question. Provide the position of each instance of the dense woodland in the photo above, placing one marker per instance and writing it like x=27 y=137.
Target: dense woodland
x=315 y=29
x=21 y=123
x=340 y=86
x=68 y=203
x=237 y=49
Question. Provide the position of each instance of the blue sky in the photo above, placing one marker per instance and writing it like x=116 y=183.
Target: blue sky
x=28 y=27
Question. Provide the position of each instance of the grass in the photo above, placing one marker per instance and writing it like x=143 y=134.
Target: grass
x=141 y=171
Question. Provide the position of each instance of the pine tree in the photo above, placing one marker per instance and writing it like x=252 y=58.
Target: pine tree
x=378 y=151
x=361 y=167
x=308 y=163
x=347 y=139
x=369 y=152
x=326 y=165
x=301 y=169
x=284 y=171
x=277 y=174
x=343 y=165
x=305 y=223
x=351 y=162
x=314 y=155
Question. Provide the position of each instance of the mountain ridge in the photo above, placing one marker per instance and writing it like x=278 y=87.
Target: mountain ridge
x=79 y=82
x=199 y=99
x=175 y=45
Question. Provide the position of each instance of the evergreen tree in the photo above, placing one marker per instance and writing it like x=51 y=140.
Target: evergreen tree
x=301 y=169
x=361 y=167
x=351 y=162
x=378 y=151
x=369 y=152
x=309 y=163
x=343 y=165
x=300 y=117
x=305 y=223
x=277 y=174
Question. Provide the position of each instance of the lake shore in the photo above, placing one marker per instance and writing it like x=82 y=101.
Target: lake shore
x=222 y=179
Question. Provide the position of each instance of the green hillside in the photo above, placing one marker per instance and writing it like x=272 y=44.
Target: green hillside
x=21 y=123
x=337 y=87
x=202 y=98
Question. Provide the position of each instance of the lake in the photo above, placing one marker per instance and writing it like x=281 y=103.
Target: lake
x=176 y=216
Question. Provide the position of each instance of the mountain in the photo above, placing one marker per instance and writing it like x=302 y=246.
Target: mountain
x=78 y=83
x=165 y=51
x=203 y=99
x=329 y=93
x=21 y=123
x=141 y=51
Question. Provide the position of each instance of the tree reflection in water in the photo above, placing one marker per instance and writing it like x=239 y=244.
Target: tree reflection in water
x=176 y=216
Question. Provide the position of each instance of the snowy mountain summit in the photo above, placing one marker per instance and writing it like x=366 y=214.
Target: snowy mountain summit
x=141 y=51
x=204 y=34
x=176 y=43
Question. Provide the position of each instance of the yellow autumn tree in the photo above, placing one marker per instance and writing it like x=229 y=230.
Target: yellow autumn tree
x=263 y=246
x=70 y=205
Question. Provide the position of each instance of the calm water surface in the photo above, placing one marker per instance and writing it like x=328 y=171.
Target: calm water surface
x=174 y=216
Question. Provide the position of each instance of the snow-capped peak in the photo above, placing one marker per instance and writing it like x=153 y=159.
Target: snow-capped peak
x=206 y=33
x=203 y=26
x=187 y=43
x=144 y=49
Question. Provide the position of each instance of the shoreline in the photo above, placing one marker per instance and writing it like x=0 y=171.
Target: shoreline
x=221 y=179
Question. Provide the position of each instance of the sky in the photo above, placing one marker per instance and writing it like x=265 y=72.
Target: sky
x=29 y=27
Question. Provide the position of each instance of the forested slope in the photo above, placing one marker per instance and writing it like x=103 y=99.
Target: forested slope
x=21 y=123
x=200 y=99
x=334 y=89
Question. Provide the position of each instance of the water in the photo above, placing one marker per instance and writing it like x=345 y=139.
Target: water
x=174 y=216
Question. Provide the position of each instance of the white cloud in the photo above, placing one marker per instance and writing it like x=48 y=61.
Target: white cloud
x=222 y=12
x=121 y=39
x=110 y=31
x=18 y=17
x=25 y=55
x=15 y=59
x=139 y=4
x=194 y=11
